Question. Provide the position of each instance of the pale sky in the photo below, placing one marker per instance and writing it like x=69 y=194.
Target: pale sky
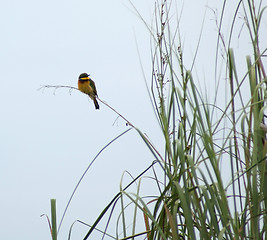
x=48 y=140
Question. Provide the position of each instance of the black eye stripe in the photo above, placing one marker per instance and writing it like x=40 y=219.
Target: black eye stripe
x=84 y=75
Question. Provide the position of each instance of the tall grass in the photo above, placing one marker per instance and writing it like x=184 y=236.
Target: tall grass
x=204 y=143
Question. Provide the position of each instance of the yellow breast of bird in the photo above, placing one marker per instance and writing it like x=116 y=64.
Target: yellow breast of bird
x=85 y=87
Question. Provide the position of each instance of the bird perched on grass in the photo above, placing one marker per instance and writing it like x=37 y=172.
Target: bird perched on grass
x=87 y=85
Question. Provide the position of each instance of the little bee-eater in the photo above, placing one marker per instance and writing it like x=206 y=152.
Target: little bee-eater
x=87 y=85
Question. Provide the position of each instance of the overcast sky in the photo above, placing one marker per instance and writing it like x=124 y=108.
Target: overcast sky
x=49 y=138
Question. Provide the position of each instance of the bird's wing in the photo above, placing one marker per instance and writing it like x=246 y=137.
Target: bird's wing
x=92 y=84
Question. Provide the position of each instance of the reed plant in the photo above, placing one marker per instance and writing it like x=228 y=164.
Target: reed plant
x=211 y=178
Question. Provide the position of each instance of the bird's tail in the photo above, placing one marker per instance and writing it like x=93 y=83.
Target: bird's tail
x=96 y=103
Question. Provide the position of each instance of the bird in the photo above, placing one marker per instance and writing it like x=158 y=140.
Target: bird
x=87 y=86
